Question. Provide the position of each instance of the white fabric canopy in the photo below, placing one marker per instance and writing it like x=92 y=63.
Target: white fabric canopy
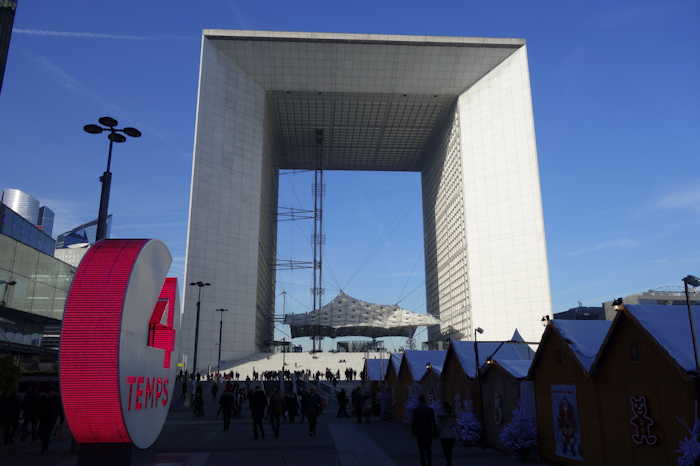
x=348 y=316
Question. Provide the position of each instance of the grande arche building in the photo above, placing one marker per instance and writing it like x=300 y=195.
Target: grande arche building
x=456 y=109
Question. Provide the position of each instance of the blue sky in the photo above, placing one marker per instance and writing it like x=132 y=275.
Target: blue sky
x=616 y=107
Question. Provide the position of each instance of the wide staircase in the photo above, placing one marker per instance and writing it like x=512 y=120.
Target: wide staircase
x=262 y=362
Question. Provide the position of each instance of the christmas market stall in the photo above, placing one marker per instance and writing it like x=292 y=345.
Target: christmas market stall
x=505 y=391
x=430 y=383
x=569 y=429
x=373 y=373
x=391 y=378
x=374 y=370
x=646 y=376
x=458 y=377
x=414 y=365
x=392 y=368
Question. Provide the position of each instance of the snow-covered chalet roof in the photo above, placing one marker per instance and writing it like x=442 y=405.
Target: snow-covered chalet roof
x=417 y=362
x=348 y=316
x=376 y=369
x=584 y=337
x=508 y=350
x=518 y=368
x=395 y=359
x=669 y=326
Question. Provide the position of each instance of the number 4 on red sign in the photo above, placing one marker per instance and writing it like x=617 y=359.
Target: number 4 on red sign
x=163 y=335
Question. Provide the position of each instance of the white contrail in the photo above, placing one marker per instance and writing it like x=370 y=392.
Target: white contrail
x=93 y=35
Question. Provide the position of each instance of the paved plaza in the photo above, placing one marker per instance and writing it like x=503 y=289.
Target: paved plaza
x=187 y=440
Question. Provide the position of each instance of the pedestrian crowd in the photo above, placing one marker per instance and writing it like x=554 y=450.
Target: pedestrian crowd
x=308 y=375
x=426 y=425
x=274 y=405
x=33 y=414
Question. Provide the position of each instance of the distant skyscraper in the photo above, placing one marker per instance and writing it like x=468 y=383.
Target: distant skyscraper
x=22 y=203
x=45 y=222
x=7 y=19
x=85 y=233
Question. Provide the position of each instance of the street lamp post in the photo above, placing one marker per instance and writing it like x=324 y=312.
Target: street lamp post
x=692 y=280
x=114 y=135
x=477 y=331
x=200 y=285
x=4 y=293
x=221 y=327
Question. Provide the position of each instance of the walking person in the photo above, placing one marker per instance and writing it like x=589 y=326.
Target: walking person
x=342 y=403
x=29 y=413
x=258 y=403
x=214 y=388
x=313 y=411
x=447 y=429
x=357 y=403
x=292 y=407
x=48 y=412
x=424 y=428
x=198 y=402
x=226 y=404
x=275 y=410
x=9 y=415
x=304 y=396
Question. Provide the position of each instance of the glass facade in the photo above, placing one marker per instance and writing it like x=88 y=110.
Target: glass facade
x=15 y=226
x=42 y=281
x=46 y=217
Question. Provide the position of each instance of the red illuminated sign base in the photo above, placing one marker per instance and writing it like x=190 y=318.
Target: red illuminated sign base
x=117 y=345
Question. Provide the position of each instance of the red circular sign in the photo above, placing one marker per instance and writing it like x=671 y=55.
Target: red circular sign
x=117 y=342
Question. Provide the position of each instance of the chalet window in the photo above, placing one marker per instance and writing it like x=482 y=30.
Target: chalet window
x=634 y=352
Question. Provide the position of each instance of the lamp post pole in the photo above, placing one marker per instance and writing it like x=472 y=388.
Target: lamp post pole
x=200 y=285
x=478 y=375
x=221 y=327
x=106 y=178
x=692 y=281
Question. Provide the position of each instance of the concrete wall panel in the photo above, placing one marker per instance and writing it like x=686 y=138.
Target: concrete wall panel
x=507 y=266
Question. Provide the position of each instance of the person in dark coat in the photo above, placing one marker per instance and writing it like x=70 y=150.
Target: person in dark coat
x=48 y=412
x=424 y=429
x=313 y=410
x=29 y=410
x=226 y=404
x=9 y=416
x=342 y=403
x=357 y=403
x=304 y=395
x=275 y=411
x=198 y=401
x=292 y=407
x=258 y=403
